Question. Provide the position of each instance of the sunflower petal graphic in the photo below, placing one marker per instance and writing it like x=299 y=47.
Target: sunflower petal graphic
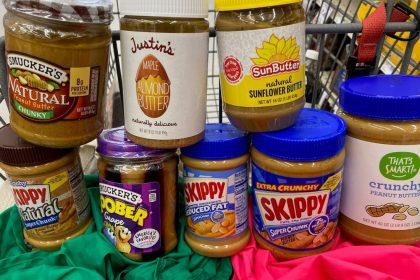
x=277 y=50
x=274 y=40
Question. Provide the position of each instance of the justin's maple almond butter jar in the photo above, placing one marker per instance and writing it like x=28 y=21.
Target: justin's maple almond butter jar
x=164 y=55
x=216 y=197
x=296 y=185
x=381 y=187
x=57 y=58
x=261 y=47
x=48 y=189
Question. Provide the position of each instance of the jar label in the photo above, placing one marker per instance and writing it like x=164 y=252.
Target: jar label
x=54 y=203
x=42 y=92
x=165 y=84
x=216 y=202
x=382 y=185
x=131 y=216
x=265 y=69
x=295 y=213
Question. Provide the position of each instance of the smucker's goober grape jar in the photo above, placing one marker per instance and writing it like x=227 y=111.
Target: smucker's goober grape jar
x=57 y=58
x=261 y=46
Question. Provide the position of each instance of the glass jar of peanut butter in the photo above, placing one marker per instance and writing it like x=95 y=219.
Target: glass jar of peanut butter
x=164 y=49
x=215 y=187
x=57 y=58
x=296 y=184
x=381 y=187
x=261 y=47
x=48 y=189
x=138 y=196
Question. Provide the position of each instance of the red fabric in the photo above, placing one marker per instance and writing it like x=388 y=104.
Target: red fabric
x=372 y=29
x=344 y=261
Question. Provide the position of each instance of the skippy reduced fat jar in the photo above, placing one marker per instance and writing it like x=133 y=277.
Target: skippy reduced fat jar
x=261 y=47
x=215 y=187
x=48 y=188
x=296 y=185
x=164 y=49
x=381 y=188
x=138 y=196
x=57 y=62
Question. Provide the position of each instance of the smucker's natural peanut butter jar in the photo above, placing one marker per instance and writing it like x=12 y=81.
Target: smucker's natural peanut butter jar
x=261 y=47
x=296 y=184
x=48 y=189
x=164 y=48
x=215 y=187
x=381 y=188
x=138 y=196
x=57 y=60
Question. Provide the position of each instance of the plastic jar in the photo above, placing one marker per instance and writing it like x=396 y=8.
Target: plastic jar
x=296 y=185
x=57 y=59
x=48 y=189
x=138 y=196
x=164 y=49
x=261 y=47
x=381 y=185
x=215 y=186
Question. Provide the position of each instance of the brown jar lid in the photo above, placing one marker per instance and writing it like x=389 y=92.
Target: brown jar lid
x=15 y=151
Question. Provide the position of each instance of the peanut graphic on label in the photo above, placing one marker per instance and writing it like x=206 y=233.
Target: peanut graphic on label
x=209 y=229
x=33 y=80
x=304 y=239
x=392 y=208
x=277 y=49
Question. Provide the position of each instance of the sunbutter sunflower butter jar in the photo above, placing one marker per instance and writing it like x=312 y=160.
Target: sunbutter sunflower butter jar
x=48 y=188
x=296 y=185
x=138 y=196
x=57 y=61
x=164 y=55
x=215 y=187
x=261 y=47
x=381 y=188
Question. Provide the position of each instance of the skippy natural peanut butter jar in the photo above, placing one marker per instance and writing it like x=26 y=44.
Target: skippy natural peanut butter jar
x=261 y=48
x=296 y=185
x=215 y=185
x=164 y=48
x=48 y=189
x=381 y=188
x=138 y=196
x=57 y=58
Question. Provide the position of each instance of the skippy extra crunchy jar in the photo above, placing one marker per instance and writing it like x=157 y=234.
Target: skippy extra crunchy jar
x=296 y=185
x=48 y=189
x=216 y=198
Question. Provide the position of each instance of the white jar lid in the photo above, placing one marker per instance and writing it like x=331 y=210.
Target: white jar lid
x=165 y=8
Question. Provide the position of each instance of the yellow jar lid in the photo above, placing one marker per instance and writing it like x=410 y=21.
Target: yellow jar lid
x=231 y=5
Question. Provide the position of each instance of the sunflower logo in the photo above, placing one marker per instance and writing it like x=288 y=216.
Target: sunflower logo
x=277 y=50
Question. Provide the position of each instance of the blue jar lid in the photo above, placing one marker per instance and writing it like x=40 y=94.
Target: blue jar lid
x=384 y=97
x=316 y=135
x=221 y=141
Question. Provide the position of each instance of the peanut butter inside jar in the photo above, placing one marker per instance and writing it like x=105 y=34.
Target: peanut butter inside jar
x=57 y=68
x=279 y=47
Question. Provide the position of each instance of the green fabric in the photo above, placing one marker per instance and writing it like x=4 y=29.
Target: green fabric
x=91 y=256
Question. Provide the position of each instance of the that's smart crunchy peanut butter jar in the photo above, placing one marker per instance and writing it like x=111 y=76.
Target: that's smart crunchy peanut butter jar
x=381 y=187
x=48 y=189
x=215 y=186
x=57 y=62
x=164 y=49
x=296 y=185
x=261 y=47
